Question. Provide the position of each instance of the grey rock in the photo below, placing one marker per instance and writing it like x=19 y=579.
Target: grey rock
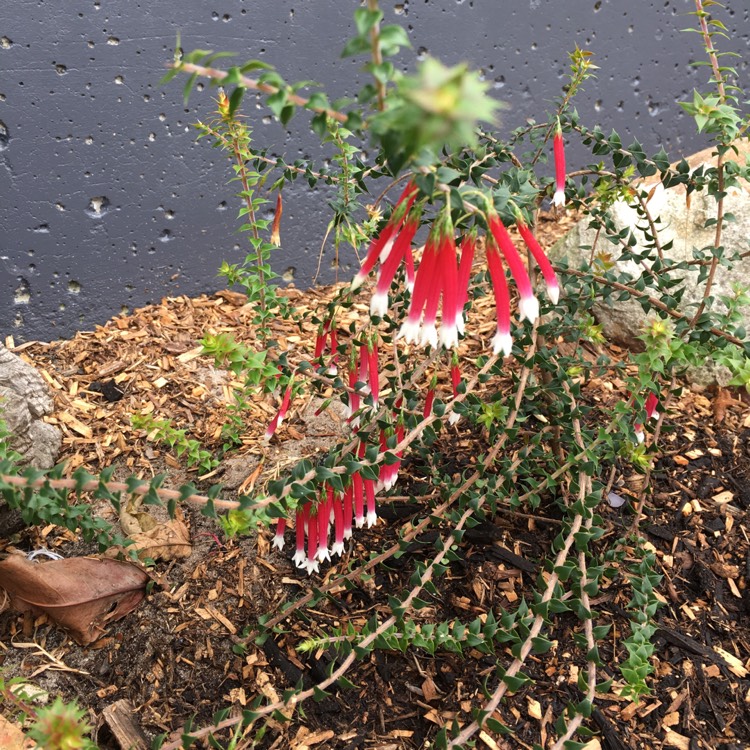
x=681 y=222
x=24 y=401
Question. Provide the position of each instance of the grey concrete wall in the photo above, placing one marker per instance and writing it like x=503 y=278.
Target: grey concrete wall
x=107 y=202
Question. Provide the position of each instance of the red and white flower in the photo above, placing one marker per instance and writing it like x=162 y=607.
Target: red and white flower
x=381 y=246
x=528 y=306
x=550 y=279
x=651 y=403
x=401 y=249
x=437 y=277
x=502 y=341
x=280 y=414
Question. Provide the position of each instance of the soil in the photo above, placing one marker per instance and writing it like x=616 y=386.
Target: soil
x=184 y=653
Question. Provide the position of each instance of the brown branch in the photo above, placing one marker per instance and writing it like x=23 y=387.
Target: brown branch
x=251 y=83
x=652 y=301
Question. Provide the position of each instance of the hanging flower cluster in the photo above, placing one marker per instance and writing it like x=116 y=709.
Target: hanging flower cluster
x=335 y=513
x=442 y=279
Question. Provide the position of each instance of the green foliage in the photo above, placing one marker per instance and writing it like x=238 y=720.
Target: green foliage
x=61 y=726
x=162 y=431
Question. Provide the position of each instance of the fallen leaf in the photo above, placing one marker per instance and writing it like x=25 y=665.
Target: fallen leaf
x=429 y=690
x=166 y=541
x=80 y=594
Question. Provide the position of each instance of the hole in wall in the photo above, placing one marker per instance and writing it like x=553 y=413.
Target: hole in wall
x=5 y=43
x=98 y=207
x=74 y=287
x=4 y=136
x=22 y=294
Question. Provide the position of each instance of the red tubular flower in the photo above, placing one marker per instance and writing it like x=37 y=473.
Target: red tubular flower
x=280 y=414
x=402 y=245
x=372 y=515
x=312 y=543
x=451 y=311
x=422 y=288
x=557 y=145
x=528 y=307
x=651 y=403
x=320 y=340
x=373 y=375
x=428 y=402
x=455 y=377
x=333 y=367
x=550 y=279
x=338 y=522
x=381 y=246
x=325 y=507
x=359 y=501
x=299 y=530
x=502 y=341
x=468 y=248
x=348 y=509
x=409 y=268
x=278 y=540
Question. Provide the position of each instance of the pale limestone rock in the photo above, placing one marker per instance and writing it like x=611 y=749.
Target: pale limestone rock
x=24 y=401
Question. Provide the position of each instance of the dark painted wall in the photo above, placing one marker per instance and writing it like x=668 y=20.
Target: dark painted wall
x=107 y=202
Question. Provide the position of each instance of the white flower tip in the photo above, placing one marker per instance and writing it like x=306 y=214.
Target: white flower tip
x=429 y=335
x=348 y=533
x=528 y=308
x=449 y=335
x=409 y=332
x=359 y=522
x=372 y=518
x=357 y=281
x=559 y=198
x=410 y=285
x=379 y=304
x=269 y=434
x=337 y=549
x=278 y=541
x=639 y=436
x=280 y=420
x=655 y=415
x=324 y=554
x=461 y=324
x=553 y=292
x=454 y=418
x=312 y=566
x=299 y=558
x=502 y=342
